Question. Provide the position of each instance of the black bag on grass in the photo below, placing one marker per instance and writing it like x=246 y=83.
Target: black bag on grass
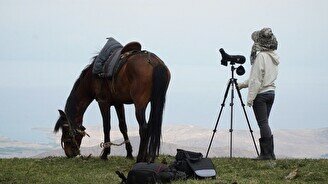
x=194 y=165
x=151 y=173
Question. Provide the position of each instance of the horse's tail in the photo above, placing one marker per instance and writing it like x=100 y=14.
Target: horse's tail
x=157 y=101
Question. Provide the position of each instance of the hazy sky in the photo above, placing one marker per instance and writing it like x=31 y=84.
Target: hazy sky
x=44 y=45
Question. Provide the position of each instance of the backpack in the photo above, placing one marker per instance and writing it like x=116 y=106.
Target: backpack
x=194 y=165
x=151 y=173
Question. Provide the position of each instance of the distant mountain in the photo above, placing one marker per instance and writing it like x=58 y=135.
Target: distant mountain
x=311 y=143
x=324 y=156
x=11 y=148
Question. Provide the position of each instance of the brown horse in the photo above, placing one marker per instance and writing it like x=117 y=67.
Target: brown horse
x=143 y=78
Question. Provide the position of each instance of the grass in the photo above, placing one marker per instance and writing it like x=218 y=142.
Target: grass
x=236 y=170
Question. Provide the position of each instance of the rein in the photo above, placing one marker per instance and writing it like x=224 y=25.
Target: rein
x=109 y=144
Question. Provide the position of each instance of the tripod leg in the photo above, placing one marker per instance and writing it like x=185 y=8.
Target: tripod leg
x=217 y=121
x=243 y=105
x=231 y=114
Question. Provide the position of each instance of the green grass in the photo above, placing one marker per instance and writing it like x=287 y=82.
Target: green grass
x=236 y=170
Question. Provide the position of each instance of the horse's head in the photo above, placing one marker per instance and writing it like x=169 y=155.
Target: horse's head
x=71 y=135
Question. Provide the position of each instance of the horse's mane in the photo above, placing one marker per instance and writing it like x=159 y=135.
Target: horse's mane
x=83 y=73
x=71 y=100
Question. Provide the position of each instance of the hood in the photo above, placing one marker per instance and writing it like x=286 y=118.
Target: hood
x=275 y=57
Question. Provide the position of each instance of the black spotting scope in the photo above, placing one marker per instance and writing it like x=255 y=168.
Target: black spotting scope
x=231 y=58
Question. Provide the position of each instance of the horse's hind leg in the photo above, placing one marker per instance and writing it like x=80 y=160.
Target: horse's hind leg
x=122 y=124
x=143 y=132
x=105 y=113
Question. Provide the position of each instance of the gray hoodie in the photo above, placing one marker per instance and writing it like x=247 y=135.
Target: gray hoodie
x=263 y=74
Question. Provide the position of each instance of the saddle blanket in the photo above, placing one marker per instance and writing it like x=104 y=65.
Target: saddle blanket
x=111 y=48
x=112 y=64
x=108 y=62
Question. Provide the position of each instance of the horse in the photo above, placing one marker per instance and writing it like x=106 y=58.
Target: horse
x=143 y=79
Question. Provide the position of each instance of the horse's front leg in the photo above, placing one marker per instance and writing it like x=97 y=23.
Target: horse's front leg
x=105 y=113
x=122 y=124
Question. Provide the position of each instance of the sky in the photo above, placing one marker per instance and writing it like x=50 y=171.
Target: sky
x=45 y=45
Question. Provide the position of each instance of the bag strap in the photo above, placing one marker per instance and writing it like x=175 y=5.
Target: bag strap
x=121 y=175
x=186 y=153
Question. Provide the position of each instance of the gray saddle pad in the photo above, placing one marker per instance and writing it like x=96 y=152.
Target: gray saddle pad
x=112 y=64
x=108 y=62
x=107 y=51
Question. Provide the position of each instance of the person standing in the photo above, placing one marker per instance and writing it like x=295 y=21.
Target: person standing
x=261 y=86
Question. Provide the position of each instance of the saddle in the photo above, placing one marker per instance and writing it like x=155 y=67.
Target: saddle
x=109 y=60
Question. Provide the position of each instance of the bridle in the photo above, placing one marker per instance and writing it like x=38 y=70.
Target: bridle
x=72 y=132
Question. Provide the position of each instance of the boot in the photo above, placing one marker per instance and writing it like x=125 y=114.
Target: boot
x=273 y=156
x=267 y=149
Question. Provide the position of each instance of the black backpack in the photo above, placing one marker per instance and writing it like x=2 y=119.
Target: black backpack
x=151 y=173
x=194 y=165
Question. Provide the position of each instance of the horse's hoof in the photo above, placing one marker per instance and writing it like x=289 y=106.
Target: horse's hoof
x=103 y=157
x=130 y=157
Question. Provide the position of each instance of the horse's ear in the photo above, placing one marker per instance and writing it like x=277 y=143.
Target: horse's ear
x=60 y=121
x=62 y=113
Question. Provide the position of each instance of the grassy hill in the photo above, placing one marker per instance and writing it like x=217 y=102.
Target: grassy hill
x=93 y=170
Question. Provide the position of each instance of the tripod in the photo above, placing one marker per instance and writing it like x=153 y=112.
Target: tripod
x=233 y=84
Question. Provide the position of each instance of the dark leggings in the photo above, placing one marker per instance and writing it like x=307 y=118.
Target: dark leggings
x=262 y=107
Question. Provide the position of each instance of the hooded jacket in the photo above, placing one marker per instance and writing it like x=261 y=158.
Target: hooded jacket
x=263 y=74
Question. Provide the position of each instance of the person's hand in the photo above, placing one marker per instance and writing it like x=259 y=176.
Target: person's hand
x=241 y=86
